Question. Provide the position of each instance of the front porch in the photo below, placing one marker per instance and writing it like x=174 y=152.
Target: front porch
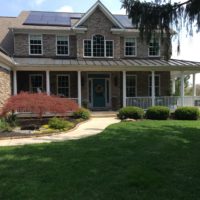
x=109 y=90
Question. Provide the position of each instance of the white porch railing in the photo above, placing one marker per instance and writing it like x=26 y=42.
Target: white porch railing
x=142 y=102
x=169 y=101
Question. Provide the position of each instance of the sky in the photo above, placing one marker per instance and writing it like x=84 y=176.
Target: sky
x=189 y=45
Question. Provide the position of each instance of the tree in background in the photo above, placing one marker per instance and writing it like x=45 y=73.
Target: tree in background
x=189 y=90
x=38 y=103
x=161 y=16
x=178 y=85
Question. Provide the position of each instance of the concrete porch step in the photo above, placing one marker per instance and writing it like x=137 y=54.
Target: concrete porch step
x=96 y=114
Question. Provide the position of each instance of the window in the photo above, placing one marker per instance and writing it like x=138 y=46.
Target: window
x=130 y=47
x=87 y=48
x=35 y=42
x=36 y=82
x=63 y=85
x=109 y=48
x=157 y=85
x=154 y=47
x=62 y=45
x=98 y=47
x=131 y=85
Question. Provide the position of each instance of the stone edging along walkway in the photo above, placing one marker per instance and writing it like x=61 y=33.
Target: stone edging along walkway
x=89 y=128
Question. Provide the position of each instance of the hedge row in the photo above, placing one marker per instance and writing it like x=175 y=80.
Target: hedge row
x=159 y=113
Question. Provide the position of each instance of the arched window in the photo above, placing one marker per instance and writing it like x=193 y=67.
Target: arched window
x=98 y=46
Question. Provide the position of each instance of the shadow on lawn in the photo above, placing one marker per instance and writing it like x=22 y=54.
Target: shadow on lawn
x=141 y=160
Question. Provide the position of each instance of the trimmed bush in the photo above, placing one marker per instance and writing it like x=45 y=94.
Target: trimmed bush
x=186 y=113
x=131 y=112
x=59 y=124
x=158 y=113
x=81 y=113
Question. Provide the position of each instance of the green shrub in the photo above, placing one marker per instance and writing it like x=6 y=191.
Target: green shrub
x=158 y=113
x=186 y=113
x=82 y=113
x=131 y=112
x=11 y=120
x=59 y=124
x=4 y=126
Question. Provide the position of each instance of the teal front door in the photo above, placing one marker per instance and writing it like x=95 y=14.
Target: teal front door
x=99 y=97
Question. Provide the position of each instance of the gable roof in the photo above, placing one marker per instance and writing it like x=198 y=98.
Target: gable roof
x=108 y=14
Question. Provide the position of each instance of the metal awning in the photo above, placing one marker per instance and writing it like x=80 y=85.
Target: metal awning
x=109 y=64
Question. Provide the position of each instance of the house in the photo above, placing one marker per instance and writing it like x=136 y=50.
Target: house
x=95 y=58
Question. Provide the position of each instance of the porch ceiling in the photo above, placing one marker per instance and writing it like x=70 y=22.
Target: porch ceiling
x=107 y=64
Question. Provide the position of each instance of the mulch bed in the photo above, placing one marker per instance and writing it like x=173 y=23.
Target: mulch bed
x=28 y=121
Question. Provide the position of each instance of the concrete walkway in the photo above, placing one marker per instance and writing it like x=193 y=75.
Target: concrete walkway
x=89 y=128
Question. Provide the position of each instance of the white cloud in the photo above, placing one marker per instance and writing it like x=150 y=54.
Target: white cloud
x=39 y=2
x=121 y=11
x=65 y=9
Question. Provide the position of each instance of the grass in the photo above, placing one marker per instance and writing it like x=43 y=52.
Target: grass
x=146 y=160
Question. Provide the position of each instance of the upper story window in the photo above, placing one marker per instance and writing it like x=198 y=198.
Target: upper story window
x=130 y=47
x=98 y=47
x=35 y=44
x=154 y=47
x=62 y=45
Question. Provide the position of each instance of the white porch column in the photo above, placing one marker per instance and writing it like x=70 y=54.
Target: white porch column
x=153 y=87
x=173 y=86
x=79 y=89
x=182 y=89
x=14 y=82
x=124 y=88
x=48 y=83
x=194 y=85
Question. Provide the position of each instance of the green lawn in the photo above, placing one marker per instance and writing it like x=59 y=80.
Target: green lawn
x=128 y=161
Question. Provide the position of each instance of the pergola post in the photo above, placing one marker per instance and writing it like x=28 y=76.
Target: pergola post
x=173 y=86
x=48 y=91
x=124 y=88
x=153 y=87
x=182 y=89
x=14 y=82
x=79 y=89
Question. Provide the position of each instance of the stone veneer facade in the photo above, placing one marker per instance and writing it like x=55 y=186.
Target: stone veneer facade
x=5 y=85
x=97 y=23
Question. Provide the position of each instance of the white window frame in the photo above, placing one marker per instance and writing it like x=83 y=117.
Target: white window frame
x=84 y=48
x=106 y=49
x=65 y=75
x=149 y=85
x=30 y=82
x=158 y=51
x=62 y=45
x=132 y=75
x=29 y=44
x=133 y=46
x=92 y=56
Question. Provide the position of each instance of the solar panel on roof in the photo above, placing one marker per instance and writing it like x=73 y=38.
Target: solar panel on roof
x=64 y=19
x=48 y=18
x=125 y=21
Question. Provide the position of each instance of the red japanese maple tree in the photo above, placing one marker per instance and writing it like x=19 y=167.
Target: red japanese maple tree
x=38 y=103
